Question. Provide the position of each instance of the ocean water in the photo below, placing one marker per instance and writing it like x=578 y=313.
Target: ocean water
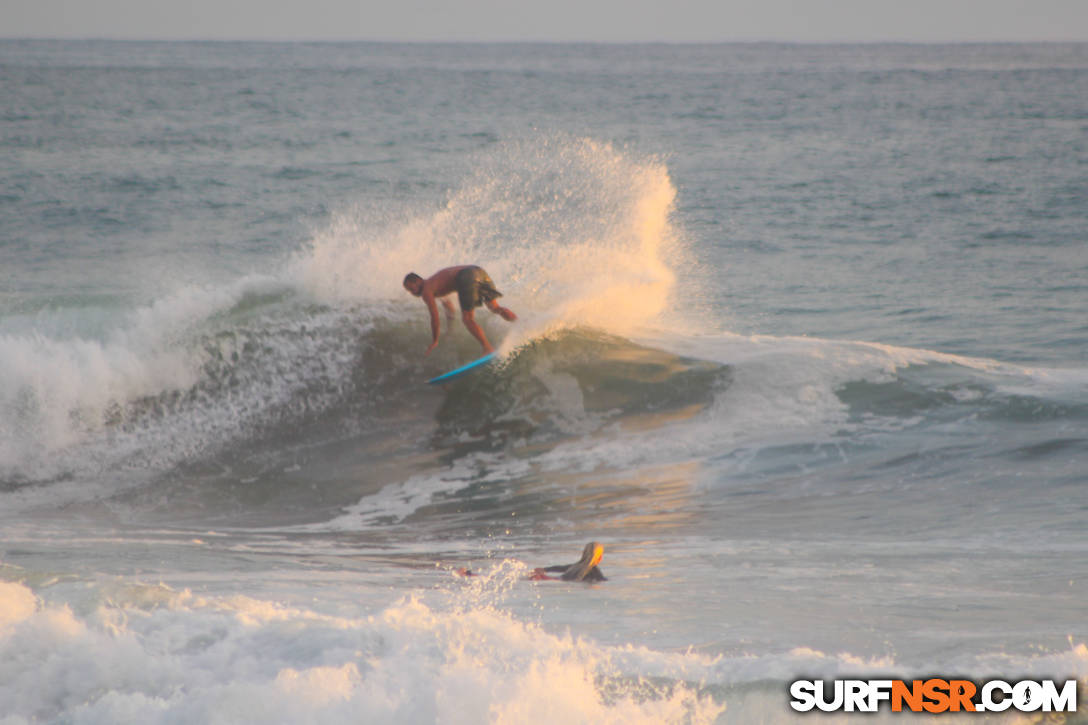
x=802 y=343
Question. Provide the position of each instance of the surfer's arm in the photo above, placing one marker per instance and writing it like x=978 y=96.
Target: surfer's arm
x=436 y=326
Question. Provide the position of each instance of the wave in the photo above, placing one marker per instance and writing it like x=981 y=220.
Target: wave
x=266 y=376
x=252 y=380
x=575 y=232
x=321 y=360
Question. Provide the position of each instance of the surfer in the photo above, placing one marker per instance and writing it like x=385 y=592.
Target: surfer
x=473 y=287
x=583 y=570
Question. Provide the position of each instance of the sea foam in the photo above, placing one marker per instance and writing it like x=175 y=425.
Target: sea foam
x=195 y=659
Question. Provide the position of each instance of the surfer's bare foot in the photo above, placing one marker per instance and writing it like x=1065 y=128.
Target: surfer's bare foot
x=505 y=313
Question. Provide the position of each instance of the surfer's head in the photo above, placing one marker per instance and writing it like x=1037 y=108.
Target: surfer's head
x=413 y=283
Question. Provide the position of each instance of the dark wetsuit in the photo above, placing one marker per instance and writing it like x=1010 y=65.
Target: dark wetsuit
x=474 y=288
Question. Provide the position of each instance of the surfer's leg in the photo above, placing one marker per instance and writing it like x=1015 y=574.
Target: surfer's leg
x=503 y=312
x=469 y=318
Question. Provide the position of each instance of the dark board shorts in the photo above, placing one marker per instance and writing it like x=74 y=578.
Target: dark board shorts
x=474 y=288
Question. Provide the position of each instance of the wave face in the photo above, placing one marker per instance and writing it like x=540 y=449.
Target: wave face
x=574 y=383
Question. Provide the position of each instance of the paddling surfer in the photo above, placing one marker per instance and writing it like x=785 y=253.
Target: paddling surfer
x=473 y=287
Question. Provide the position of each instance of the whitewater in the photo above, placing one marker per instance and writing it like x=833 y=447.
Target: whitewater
x=801 y=342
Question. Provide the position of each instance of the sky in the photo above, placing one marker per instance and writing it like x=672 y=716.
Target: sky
x=608 y=21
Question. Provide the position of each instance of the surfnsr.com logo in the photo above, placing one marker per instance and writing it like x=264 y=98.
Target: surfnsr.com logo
x=934 y=695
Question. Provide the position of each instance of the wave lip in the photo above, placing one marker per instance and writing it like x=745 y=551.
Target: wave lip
x=573 y=231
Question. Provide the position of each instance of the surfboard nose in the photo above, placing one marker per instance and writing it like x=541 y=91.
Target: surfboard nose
x=591 y=556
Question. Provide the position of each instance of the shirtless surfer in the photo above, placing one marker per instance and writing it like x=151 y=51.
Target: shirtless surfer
x=473 y=288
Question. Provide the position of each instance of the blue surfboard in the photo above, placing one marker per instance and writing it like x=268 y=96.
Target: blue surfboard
x=466 y=368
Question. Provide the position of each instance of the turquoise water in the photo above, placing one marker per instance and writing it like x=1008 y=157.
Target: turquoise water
x=801 y=342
